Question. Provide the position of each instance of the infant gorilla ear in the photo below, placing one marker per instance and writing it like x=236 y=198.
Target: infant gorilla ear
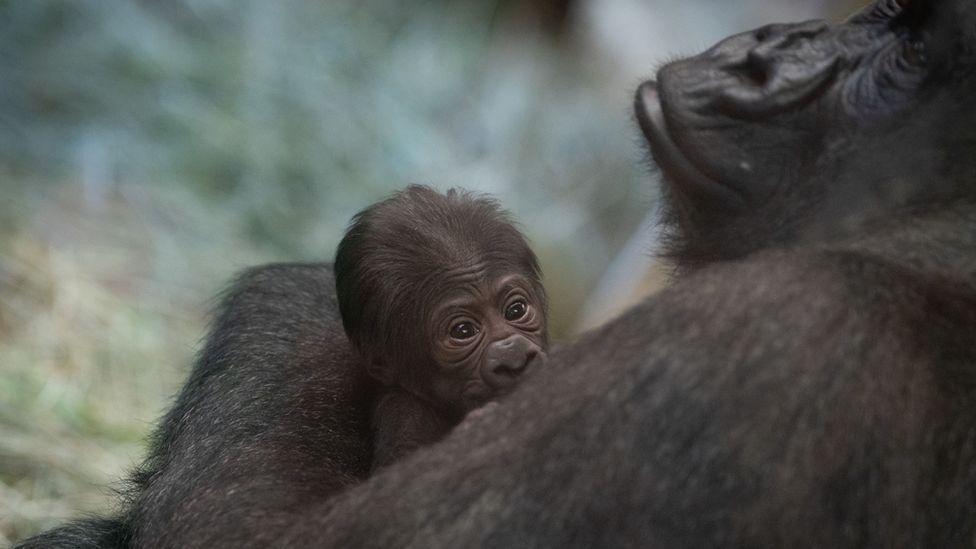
x=442 y=297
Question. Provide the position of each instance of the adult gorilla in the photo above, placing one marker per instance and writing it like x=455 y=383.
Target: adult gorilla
x=810 y=380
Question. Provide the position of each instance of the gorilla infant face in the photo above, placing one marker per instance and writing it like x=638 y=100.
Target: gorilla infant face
x=442 y=296
x=798 y=127
x=487 y=332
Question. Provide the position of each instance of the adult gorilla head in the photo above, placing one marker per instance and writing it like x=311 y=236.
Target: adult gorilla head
x=792 y=133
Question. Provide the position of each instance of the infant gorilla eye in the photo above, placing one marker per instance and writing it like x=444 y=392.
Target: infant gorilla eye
x=516 y=310
x=463 y=330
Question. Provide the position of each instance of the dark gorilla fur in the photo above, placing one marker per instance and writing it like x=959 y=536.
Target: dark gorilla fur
x=809 y=381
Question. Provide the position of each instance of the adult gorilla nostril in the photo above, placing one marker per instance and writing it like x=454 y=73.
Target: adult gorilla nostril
x=763 y=33
x=757 y=68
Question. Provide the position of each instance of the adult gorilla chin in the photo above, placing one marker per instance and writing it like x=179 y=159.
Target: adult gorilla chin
x=809 y=380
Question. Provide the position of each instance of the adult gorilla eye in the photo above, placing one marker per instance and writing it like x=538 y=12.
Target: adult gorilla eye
x=463 y=330
x=516 y=310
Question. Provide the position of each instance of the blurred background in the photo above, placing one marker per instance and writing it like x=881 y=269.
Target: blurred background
x=150 y=149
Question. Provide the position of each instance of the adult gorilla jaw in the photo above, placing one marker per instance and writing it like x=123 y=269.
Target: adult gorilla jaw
x=678 y=168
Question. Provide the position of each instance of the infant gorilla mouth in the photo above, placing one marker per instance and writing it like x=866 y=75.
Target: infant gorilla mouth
x=442 y=298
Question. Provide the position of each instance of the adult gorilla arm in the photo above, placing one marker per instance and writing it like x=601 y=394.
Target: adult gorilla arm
x=795 y=399
x=275 y=415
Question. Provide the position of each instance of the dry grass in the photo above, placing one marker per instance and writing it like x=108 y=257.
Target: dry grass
x=97 y=325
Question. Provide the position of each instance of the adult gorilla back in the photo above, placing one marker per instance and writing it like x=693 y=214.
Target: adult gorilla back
x=810 y=379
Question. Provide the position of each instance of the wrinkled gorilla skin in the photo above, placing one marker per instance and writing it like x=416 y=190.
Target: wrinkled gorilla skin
x=808 y=380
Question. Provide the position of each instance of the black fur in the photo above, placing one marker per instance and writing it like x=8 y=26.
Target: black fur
x=275 y=414
x=94 y=533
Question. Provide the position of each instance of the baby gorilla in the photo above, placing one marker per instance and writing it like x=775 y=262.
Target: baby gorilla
x=442 y=297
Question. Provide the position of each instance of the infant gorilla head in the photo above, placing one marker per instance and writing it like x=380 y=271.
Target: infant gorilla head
x=442 y=297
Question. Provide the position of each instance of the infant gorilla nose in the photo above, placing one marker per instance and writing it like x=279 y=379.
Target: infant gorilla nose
x=508 y=360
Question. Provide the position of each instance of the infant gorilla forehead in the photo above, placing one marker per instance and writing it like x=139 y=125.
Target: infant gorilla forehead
x=442 y=296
